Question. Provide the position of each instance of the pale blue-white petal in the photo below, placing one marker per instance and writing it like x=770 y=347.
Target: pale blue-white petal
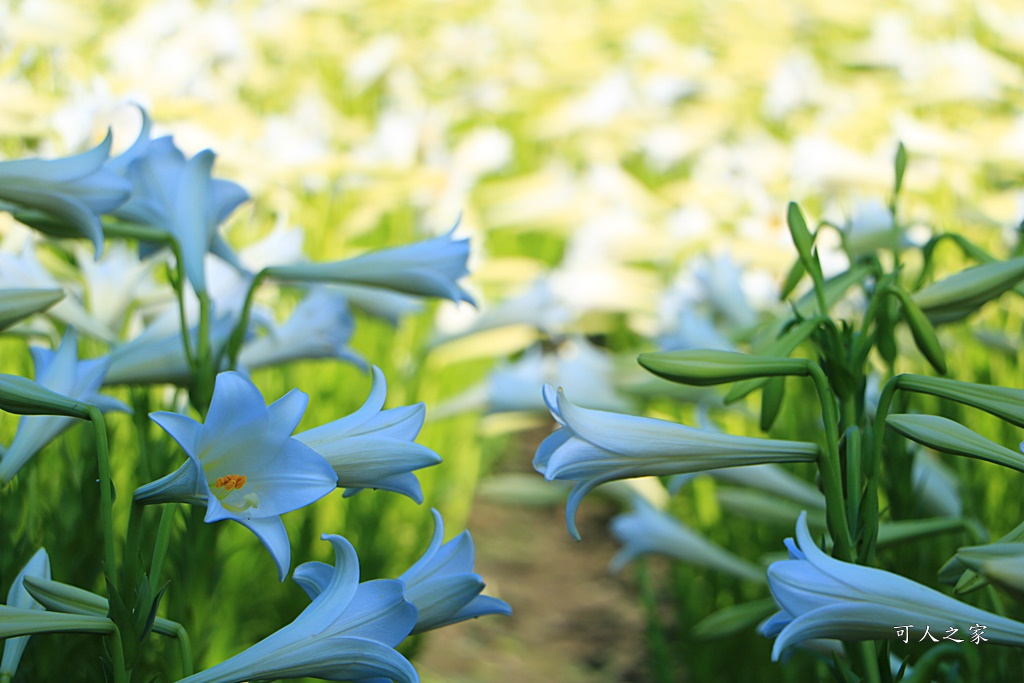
x=182 y=429
x=274 y=537
x=378 y=611
x=286 y=412
x=313 y=577
x=323 y=436
x=440 y=597
x=406 y=484
x=421 y=564
x=480 y=606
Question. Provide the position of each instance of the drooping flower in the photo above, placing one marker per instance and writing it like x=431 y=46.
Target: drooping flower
x=17 y=596
x=64 y=196
x=646 y=530
x=428 y=268
x=243 y=463
x=348 y=633
x=441 y=584
x=59 y=371
x=821 y=597
x=157 y=354
x=178 y=196
x=374 y=448
x=594 y=446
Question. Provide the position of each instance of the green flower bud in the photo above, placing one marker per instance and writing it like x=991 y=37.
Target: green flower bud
x=705 y=367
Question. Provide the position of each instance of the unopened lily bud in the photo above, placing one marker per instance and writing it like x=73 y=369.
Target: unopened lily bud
x=951 y=437
x=1003 y=402
x=961 y=294
x=704 y=367
x=22 y=396
x=16 y=304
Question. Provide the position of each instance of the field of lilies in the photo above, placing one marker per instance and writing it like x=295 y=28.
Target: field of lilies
x=737 y=287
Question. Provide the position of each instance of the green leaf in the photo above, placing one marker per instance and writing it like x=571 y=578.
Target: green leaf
x=125 y=622
x=796 y=273
x=901 y=167
x=731 y=620
x=771 y=401
x=921 y=329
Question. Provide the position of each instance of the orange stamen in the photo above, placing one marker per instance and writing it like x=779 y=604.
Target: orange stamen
x=231 y=482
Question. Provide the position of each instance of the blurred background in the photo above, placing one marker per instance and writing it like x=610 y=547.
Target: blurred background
x=622 y=169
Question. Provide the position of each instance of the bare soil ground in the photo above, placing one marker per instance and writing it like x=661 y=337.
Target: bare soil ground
x=572 y=622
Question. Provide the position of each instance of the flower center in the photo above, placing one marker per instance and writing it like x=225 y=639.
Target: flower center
x=231 y=482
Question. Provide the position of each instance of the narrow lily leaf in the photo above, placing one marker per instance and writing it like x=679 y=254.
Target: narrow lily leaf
x=924 y=334
x=705 y=367
x=904 y=530
x=796 y=273
x=1003 y=402
x=900 y=167
x=733 y=619
x=771 y=401
x=802 y=238
x=17 y=304
x=951 y=437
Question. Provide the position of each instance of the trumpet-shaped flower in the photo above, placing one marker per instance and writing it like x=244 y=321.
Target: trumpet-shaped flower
x=59 y=371
x=595 y=446
x=243 y=463
x=647 y=530
x=821 y=597
x=73 y=191
x=374 y=448
x=157 y=355
x=428 y=268
x=179 y=196
x=348 y=633
x=442 y=584
x=320 y=327
x=38 y=566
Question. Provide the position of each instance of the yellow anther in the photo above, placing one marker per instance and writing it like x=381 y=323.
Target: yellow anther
x=231 y=482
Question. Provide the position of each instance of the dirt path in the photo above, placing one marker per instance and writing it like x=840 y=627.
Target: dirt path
x=573 y=622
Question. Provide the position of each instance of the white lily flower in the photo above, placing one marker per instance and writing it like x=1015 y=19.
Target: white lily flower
x=648 y=530
x=179 y=196
x=319 y=327
x=59 y=371
x=374 y=448
x=348 y=633
x=25 y=270
x=821 y=597
x=595 y=446
x=38 y=566
x=428 y=268
x=243 y=463
x=74 y=191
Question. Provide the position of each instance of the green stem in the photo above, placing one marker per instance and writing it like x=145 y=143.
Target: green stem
x=107 y=518
x=660 y=660
x=106 y=488
x=234 y=345
x=131 y=548
x=117 y=657
x=184 y=650
x=828 y=463
x=203 y=372
x=869 y=658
